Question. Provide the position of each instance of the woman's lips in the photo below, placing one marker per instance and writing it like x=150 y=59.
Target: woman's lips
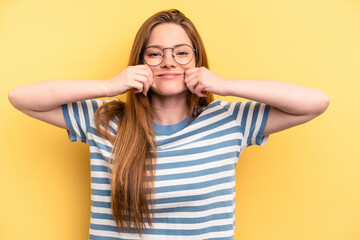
x=169 y=75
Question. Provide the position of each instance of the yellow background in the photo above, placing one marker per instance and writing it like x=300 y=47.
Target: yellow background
x=303 y=184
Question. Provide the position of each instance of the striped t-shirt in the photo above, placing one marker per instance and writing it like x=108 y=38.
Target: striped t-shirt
x=194 y=184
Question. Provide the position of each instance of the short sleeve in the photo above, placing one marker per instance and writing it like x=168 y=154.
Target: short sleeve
x=252 y=117
x=79 y=118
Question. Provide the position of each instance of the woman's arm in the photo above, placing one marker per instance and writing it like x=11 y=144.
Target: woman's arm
x=291 y=104
x=43 y=100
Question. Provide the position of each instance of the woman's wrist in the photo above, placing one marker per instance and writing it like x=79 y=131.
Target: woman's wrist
x=104 y=88
x=230 y=87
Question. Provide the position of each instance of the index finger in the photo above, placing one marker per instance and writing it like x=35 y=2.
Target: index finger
x=147 y=68
x=190 y=71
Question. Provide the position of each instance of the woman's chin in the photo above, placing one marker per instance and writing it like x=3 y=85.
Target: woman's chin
x=168 y=92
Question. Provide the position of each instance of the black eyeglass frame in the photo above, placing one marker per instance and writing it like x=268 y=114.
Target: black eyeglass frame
x=163 y=54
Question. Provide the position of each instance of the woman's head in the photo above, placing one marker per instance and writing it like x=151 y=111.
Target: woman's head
x=169 y=16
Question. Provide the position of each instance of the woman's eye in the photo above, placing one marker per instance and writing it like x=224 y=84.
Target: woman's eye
x=154 y=55
x=182 y=53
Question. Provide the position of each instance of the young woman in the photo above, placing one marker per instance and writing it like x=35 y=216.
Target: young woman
x=163 y=162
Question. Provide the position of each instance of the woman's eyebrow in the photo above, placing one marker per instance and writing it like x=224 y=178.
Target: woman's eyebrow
x=160 y=46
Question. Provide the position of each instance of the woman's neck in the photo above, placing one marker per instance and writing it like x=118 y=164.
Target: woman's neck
x=169 y=110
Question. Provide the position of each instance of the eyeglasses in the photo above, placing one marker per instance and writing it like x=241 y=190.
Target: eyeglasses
x=182 y=54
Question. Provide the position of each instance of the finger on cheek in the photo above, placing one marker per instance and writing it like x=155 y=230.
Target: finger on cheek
x=187 y=79
x=190 y=78
x=189 y=71
x=192 y=89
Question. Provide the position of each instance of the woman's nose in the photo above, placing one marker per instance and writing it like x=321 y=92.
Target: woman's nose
x=168 y=58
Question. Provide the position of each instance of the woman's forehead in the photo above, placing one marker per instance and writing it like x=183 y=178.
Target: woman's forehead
x=168 y=35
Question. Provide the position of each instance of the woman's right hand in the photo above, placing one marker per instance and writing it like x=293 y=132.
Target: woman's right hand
x=139 y=77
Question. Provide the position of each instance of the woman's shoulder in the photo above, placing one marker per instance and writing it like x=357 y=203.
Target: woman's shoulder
x=219 y=104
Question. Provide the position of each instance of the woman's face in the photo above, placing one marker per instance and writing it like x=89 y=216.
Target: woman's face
x=169 y=75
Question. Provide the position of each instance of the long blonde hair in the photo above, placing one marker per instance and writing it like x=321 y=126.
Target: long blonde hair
x=133 y=157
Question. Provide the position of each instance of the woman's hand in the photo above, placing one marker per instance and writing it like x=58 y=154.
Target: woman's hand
x=139 y=77
x=202 y=80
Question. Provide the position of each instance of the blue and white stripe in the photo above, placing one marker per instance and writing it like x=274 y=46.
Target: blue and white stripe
x=194 y=188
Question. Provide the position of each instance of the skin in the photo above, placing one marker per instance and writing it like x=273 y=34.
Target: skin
x=291 y=104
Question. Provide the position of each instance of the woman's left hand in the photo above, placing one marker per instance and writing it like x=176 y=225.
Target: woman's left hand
x=201 y=80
